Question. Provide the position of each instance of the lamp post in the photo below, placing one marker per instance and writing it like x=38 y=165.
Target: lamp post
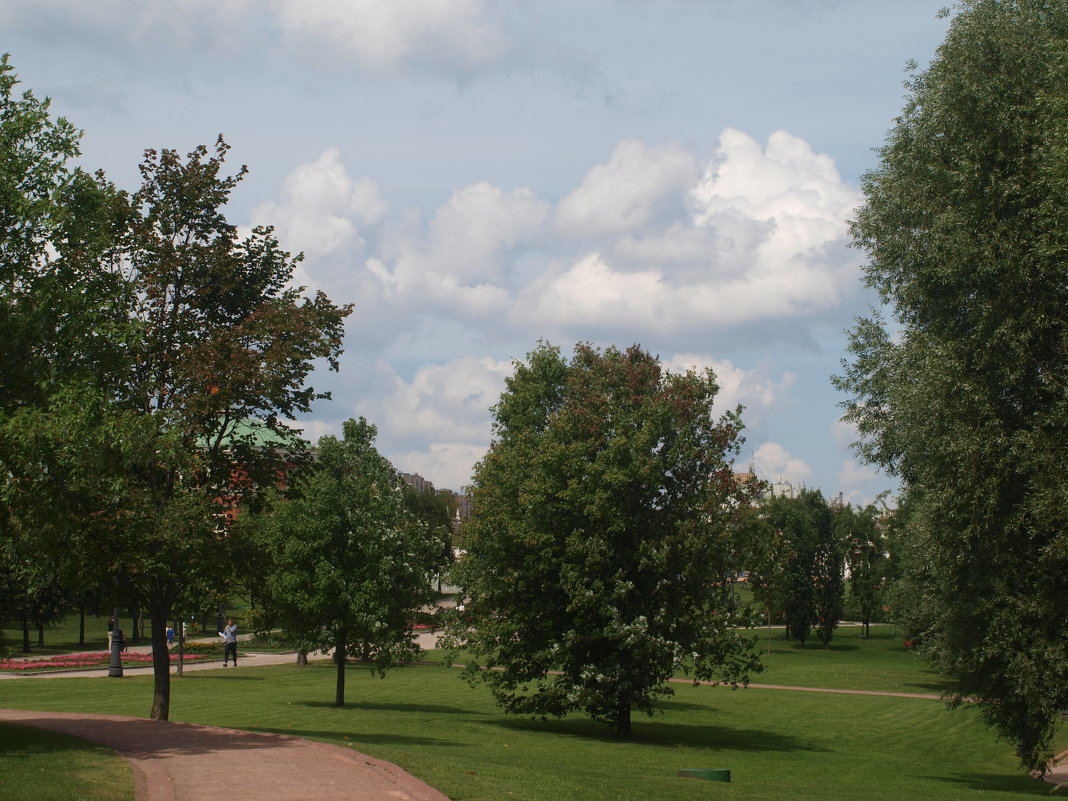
x=115 y=669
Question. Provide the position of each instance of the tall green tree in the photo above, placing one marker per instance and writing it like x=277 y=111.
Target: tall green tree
x=959 y=386
x=138 y=475
x=60 y=311
x=350 y=566
x=600 y=541
x=866 y=554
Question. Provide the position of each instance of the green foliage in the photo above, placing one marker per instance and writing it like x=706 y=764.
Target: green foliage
x=962 y=391
x=867 y=556
x=801 y=568
x=349 y=566
x=153 y=356
x=601 y=538
x=434 y=509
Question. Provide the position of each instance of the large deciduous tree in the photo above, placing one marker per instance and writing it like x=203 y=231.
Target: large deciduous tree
x=223 y=349
x=349 y=565
x=207 y=347
x=597 y=554
x=961 y=388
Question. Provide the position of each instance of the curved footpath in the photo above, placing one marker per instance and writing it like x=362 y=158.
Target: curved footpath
x=189 y=762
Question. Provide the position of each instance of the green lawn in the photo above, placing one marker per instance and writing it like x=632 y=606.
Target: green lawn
x=37 y=765
x=879 y=662
x=778 y=744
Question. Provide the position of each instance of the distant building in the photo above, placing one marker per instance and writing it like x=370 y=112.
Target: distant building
x=457 y=500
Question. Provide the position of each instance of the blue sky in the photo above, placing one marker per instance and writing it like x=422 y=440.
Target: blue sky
x=476 y=175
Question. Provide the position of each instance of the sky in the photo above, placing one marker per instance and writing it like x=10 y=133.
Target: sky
x=477 y=176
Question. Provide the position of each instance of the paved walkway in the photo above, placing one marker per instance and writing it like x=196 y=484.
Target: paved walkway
x=187 y=762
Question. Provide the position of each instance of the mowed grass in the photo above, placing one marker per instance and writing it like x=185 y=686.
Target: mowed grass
x=38 y=765
x=778 y=744
x=880 y=662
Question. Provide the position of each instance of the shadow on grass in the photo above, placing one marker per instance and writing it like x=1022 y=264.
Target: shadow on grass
x=432 y=709
x=656 y=733
x=930 y=686
x=996 y=783
x=150 y=739
x=355 y=739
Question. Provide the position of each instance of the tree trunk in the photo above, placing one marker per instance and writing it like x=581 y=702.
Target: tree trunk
x=161 y=662
x=623 y=719
x=26 y=647
x=81 y=624
x=40 y=635
x=134 y=635
x=339 y=660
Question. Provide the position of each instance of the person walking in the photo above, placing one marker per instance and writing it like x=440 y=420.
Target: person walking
x=229 y=635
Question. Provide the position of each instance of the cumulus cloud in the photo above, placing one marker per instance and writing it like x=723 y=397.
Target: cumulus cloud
x=438 y=423
x=480 y=223
x=382 y=35
x=754 y=389
x=322 y=207
x=762 y=239
x=447 y=464
x=448 y=401
x=625 y=193
x=776 y=464
x=652 y=246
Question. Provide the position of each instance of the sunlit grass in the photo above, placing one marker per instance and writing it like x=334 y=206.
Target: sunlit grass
x=778 y=744
x=37 y=765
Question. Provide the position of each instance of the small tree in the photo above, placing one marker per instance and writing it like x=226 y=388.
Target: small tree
x=807 y=575
x=600 y=539
x=349 y=565
x=858 y=531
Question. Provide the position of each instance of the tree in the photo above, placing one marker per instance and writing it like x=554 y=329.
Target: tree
x=858 y=531
x=807 y=565
x=58 y=317
x=434 y=509
x=140 y=474
x=597 y=553
x=350 y=566
x=959 y=388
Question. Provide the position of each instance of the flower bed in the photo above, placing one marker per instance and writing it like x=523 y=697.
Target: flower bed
x=94 y=659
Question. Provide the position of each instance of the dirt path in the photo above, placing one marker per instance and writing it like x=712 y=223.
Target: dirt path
x=187 y=762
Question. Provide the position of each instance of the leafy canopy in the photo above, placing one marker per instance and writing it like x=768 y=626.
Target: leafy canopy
x=349 y=565
x=960 y=385
x=601 y=537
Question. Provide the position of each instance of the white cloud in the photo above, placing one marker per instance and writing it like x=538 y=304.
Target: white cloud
x=763 y=240
x=447 y=464
x=776 y=464
x=383 y=35
x=625 y=193
x=322 y=207
x=479 y=223
x=844 y=434
x=754 y=389
x=448 y=402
